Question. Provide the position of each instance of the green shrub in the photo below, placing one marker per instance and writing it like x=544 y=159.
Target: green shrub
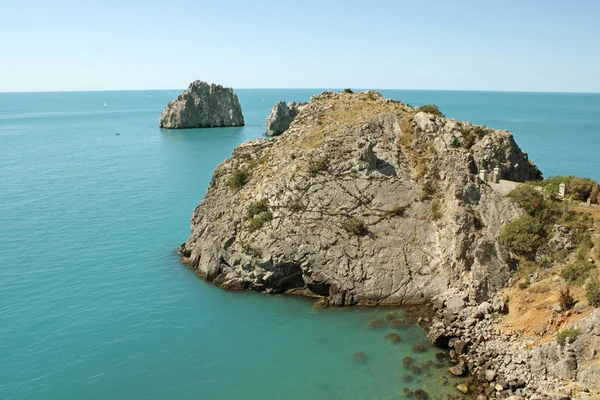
x=257 y=207
x=577 y=272
x=469 y=140
x=239 y=178
x=525 y=283
x=431 y=109
x=427 y=191
x=250 y=249
x=524 y=235
x=592 y=292
x=565 y=299
x=562 y=336
x=317 y=165
x=581 y=188
x=257 y=222
x=348 y=91
x=528 y=197
x=551 y=184
x=455 y=142
x=355 y=226
x=436 y=210
x=397 y=211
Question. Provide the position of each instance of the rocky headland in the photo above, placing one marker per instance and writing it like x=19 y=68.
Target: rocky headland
x=203 y=105
x=362 y=200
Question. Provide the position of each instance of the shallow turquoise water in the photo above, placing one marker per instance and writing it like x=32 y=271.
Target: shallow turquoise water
x=93 y=301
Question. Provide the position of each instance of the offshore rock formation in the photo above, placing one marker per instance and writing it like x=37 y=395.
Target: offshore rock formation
x=281 y=117
x=202 y=105
x=363 y=200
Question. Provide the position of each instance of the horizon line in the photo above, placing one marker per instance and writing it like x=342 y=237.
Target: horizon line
x=304 y=88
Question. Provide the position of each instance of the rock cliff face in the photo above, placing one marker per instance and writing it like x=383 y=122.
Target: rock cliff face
x=203 y=105
x=361 y=201
x=281 y=117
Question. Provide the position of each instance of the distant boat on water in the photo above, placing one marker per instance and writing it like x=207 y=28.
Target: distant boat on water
x=104 y=104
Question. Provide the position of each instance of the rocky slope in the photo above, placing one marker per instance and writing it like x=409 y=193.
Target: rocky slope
x=202 y=105
x=363 y=200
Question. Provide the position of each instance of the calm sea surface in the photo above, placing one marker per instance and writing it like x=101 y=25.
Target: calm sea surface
x=93 y=301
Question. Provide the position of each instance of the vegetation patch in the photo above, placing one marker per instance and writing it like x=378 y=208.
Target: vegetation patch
x=348 y=91
x=238 y=179
x=355 y=226
x=565 y=299
x=524 y=235
x=427 y=191
x=580 y=189
x=295 y=205
x=528 y=197
x=563 y=335
x=257 y=207
x=577 y=272
x=524 y=284
x=431 y=109
x=317 y=165
x=257 y=222
x=436 y=210
x=592 y=292
x=250 y=249
x=398 y=211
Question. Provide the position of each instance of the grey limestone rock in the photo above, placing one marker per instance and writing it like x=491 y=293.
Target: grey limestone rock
x=203 y=105
x=281 y=117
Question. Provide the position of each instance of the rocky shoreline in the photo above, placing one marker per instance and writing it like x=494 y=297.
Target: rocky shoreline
x=505 y=364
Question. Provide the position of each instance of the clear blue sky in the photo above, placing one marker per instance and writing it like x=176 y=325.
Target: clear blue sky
x=535 y=45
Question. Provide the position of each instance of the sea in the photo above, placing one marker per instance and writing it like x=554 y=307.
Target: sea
x=94 y=303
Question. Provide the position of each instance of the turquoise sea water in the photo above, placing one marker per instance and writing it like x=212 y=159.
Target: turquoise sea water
x=93 y=301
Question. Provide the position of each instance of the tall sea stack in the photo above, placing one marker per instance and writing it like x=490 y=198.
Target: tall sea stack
x=203 y=105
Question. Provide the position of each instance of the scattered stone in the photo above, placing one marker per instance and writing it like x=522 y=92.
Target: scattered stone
x=415 y=369
x=419 y=348
x=490 y=375
x=455 y=304
x=398 y=323
x=407 y=378
x=459 y=369
x=421 y=394
x=377 y=323
x=407 y=392
x=407 y=361
x=462 y=387
x=393 y=337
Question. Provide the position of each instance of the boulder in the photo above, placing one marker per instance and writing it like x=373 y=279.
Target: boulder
x=203 y=105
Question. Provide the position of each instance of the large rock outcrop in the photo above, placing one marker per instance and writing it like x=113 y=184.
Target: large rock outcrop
x=281 y=117
x=361 y=201
x=203 y=105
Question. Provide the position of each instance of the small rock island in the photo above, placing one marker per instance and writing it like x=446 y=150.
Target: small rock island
x=203 y=105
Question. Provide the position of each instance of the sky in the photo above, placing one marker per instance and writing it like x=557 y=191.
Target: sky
x=508 y=45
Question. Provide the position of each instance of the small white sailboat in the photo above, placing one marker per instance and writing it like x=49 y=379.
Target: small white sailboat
x=104 y=104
